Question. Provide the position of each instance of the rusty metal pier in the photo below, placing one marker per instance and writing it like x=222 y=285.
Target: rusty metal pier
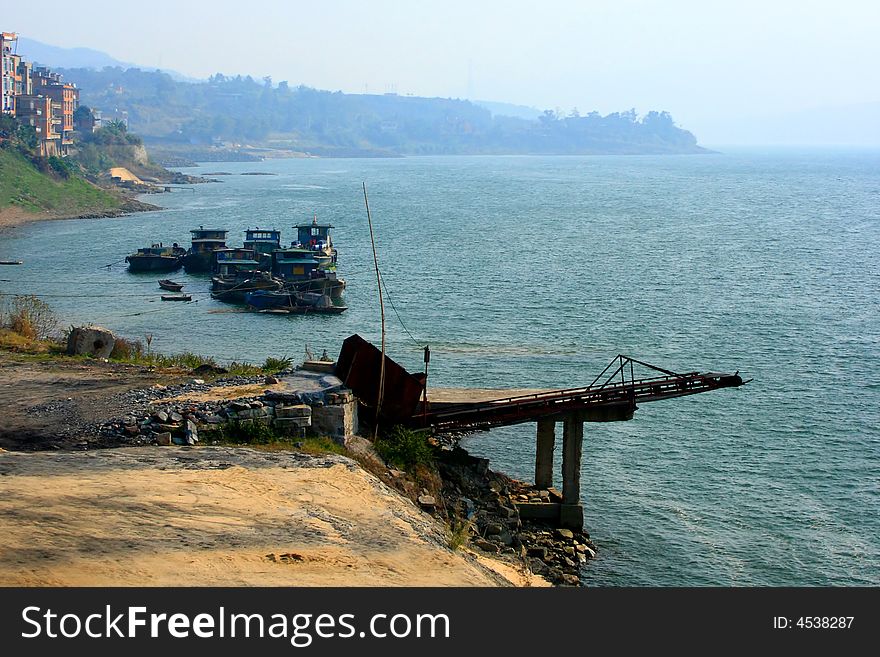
x=613 y=396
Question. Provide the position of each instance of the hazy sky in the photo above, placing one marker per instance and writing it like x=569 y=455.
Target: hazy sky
x=709 y=63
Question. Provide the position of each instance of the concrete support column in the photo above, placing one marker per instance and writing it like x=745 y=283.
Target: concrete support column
x=546 y=440
x=572 y=445
x=571 y=512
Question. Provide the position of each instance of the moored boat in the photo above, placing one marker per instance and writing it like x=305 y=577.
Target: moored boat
x=156 y=258
x=176 y=297
x=292 y=302
x=205 y=241
x=171 y=286
x=235 y=290
x=262 y=242
x=309 y=264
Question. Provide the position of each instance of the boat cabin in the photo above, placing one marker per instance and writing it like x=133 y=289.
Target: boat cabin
x=262 y=241
x=158 y=250
x=313 y=236
x=205 y=240
x=298 y=264
x=228 y=262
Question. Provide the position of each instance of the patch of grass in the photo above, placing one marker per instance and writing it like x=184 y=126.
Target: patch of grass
x=322 y=445
x=273 y=365
x=243 y=369
x=405 y=449
x=12 y=341
x=263 y=436
x=132 y=352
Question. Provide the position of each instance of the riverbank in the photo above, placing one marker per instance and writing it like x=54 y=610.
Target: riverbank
x=13 y=216
x=207 y=515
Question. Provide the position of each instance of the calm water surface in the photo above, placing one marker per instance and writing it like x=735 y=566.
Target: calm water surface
x=535 y=272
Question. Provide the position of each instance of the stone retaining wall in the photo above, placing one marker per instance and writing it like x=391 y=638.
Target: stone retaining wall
x=182 y=423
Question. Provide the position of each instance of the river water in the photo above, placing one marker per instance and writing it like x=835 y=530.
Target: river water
x=535 y=272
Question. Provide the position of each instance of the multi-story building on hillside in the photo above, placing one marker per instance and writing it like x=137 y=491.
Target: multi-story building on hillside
x=65 y=97
x=37 y=96
x=8 y=42
x=36 y=111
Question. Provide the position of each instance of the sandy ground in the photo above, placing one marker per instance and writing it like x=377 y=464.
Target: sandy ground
x=13 y=216
x=217 y=516
x=50 y=403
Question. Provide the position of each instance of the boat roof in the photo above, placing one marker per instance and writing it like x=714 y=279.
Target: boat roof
x=313 y=225
x=238 y=262
x=307 y=261
x=209 y=230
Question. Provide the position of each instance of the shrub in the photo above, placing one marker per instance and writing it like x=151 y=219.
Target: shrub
x=404 y=448
x=459 y=534
x=32 y=318
x=61 y=167
x=125 y=349
x=273 y=365
x=248 y=433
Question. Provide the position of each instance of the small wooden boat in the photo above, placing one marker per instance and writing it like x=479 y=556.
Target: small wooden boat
x=166 y=284
x=176 y=297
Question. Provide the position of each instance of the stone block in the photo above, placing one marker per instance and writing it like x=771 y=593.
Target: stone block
x=485 y=546
x=293 y=422
x=336 y=421
x=94 y=341
x=163 y=438
x=170 y=428
x=293 y=410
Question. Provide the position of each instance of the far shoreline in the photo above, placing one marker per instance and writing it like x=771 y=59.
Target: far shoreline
x=14 y=217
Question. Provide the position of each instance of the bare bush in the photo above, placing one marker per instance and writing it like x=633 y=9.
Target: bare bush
x=31 y=317
x=124 y=349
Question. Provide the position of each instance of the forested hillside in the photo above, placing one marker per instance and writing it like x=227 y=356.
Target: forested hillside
x=260 y=113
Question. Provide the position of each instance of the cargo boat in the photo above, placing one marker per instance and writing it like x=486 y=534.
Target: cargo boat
x=309 y=264
x=156 y=258
x=262 y=242
x=200 y=257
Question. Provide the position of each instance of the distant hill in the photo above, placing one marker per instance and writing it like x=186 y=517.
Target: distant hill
x=55 y=57
x=508 y=109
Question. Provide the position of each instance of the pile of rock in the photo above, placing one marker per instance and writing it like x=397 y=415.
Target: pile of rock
x=487 y=500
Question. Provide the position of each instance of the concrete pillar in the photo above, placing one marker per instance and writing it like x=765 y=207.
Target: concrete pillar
x=546 y=440
x=572 y=445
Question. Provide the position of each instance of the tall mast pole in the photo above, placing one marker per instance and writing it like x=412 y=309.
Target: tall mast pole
x=382 y=312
